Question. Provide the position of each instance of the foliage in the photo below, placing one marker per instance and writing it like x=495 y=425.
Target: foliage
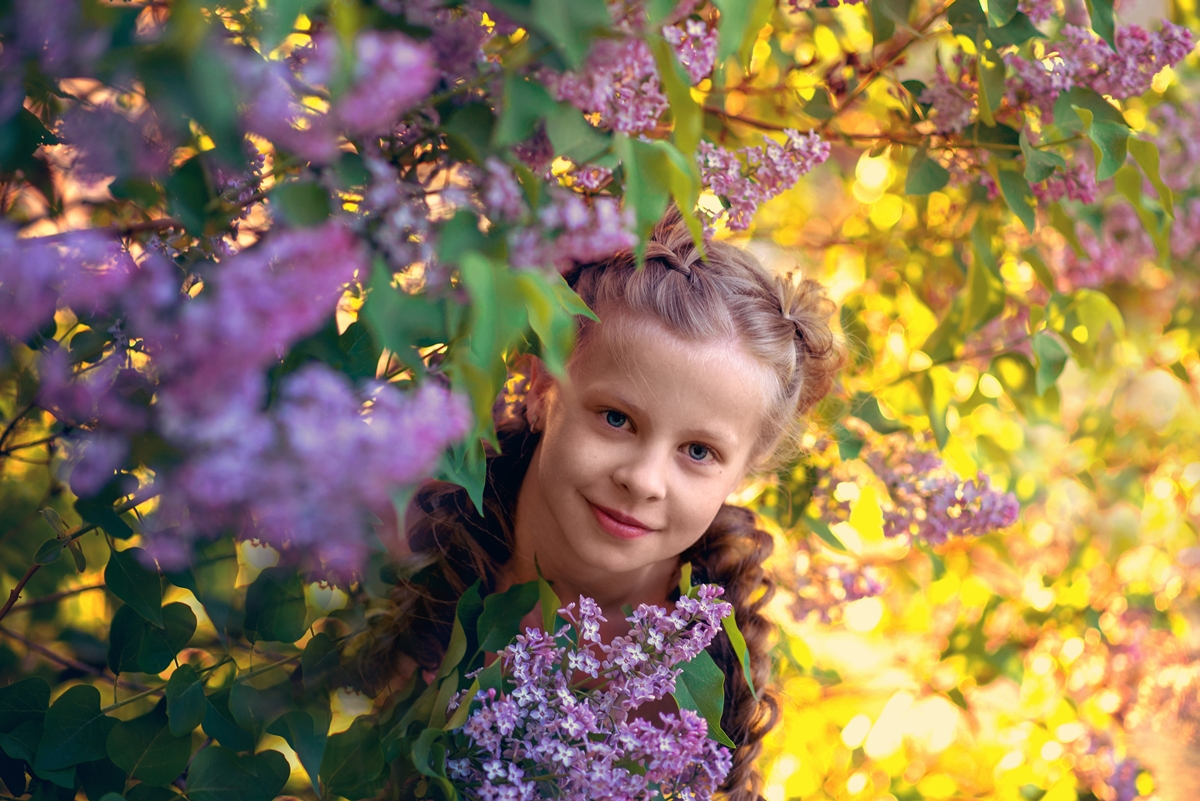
x=264 y=266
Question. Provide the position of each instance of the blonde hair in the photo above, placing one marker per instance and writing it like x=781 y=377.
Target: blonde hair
x=726 y=295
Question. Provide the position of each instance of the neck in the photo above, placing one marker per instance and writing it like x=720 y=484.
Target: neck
x=538 y=544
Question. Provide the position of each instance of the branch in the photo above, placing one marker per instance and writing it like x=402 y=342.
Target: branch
x=55 y=596
x=12 y=424
x=16 y=591
x=62 y=660
x=22 y=445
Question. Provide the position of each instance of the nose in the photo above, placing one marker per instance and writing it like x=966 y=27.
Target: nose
x=643 y=474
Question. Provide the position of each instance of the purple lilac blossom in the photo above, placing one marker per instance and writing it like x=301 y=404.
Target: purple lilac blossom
x=113 y=142
x=583 y=732
x=1038 y=11
x=766 y=172
x=1116 y=254
x=619 y=81
x=953 y=100
x=695 y=45
x=1076 y=182
x=391 y=74
x=84 y=270
x=573 y=230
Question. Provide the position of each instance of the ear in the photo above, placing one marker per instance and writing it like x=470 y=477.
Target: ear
x=541 y=384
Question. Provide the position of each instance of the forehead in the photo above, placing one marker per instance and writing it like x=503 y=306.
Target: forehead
x=686 y=384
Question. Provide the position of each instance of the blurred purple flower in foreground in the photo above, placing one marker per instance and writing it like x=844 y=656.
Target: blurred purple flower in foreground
x=559 y=721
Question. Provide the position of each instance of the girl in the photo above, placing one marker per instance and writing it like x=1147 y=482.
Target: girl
x=617 y=474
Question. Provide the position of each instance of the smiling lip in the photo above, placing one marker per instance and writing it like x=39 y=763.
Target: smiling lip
x=619 y=525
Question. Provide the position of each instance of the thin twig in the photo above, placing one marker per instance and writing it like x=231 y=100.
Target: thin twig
x=12 y=424
x=62 y=660
x=54 y=596
x=16 y=591
x=22 y=445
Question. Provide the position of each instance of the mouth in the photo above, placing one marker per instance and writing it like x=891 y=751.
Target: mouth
x=619 y=525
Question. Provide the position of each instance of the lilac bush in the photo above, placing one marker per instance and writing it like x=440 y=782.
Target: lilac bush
x=569 y=727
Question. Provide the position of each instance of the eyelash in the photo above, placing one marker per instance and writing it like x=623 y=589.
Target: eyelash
x=709 y=453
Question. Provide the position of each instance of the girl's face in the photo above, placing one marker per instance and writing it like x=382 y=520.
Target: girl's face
x=643 y=442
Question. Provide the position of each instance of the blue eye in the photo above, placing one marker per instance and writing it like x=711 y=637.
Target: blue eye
x=615 y=419
x=698 y=452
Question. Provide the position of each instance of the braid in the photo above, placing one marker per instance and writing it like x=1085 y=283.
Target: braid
x=731 y=554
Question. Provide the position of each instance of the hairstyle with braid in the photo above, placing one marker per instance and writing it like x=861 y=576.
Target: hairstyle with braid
x=722 y=295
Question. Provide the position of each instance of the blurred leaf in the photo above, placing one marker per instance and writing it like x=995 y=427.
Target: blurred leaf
x=353 y=764
x=158 y=646
x=125 y=639
x=525 y=103
x=1101 y=12
x=188 y=195
x=550 y=604
x=885 y=15
x=1052 y=357
x=1001 y=12
x=145 y=748
x=306 y=738
x=573 y=136
x=738 y=26
x=1018 y=196
x=925 y=175
x=570 y=24
x=701 y=688
x=1039 y=164
x=689 y=119
x=819 y=107
x=1065 y=225
x=218 y=774
x=75 y=730
x=275 y=606
x=989 y=71
x=936 y=402
x=1109 y=141
x=186 y=703
x=469 y=131
x=279 y=16
x=303 y=204
x=100 y=778
x=1128 y=181
x=138 y=587
x=1146 y=155
x=48 y=552
x=1019 y=31
x=500 y=620
x=320 y=664
x=402 y=322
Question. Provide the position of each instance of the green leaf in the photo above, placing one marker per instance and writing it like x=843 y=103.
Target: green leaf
x=138 y=587
x=218 y=774
x=279 y=17
x=985 y=289
x=188 y=195
x=144 y=792
x=320 y=664
x=1109 y=141
x=502 y=613
x=48 y=552
x=22 y=701
x=75 y=730
x=685 y=578
x=248 y=708
x=275 y=606
x=553 y=324
x=523 y=105
x=1096 y=311
x=1085 y=98
x=300 y=203
x=100 y=778
x=1039 y=164
x=925 y=175
x=549 y=601
x=98 y=510
x=819 y=527
x=1128 y=181
x=689 y=118
x=935 y=401
x=1101 y=12
x=701 y=688
x=403 y=322
x=469 y=132
x=647 y=171
x=1065 y=225
x=145 y=748
x=989 y=70
x=1001 y=12
x=186 y=703
x=1018 y=196
x=353 y=764
x=885 y=15
x=1051 y=358
x=219 y=724
x=573 y=136
x=125 y=640
x=1020 y=30
x=738 y=27
x=12 y=775
x=1146 y=155
x=306 y=737
x=158 y=647
x=571 y=25
x=739 y=647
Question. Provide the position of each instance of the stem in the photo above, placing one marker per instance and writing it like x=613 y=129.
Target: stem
x=55 y=596
x=22 y=445
x=16 y=591
x=53 y=657
x=12 y=424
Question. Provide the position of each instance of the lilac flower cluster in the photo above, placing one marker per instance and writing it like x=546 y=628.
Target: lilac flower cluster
x=953 y=99
x=695 y=45
x=762 y=172
x=619 y=82
x=1076 y=182
x=822 y=583
x=572 y=713
x=85 y=270
x=312 y=463
x=1117 y=253
x=929 y=501
x=1082 y=58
